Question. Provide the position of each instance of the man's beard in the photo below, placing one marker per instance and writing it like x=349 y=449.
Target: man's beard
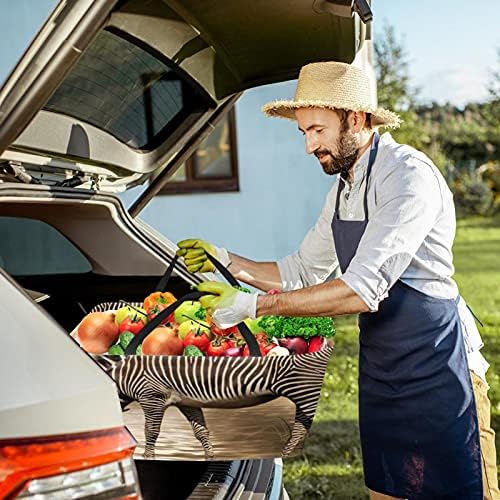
x=347 y=148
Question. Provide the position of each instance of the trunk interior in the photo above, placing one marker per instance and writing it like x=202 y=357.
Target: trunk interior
x=72 y=296
x=119 y=266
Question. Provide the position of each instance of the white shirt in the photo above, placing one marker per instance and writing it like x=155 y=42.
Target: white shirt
x=409 y=235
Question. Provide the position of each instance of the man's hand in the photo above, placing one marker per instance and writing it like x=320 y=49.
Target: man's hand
x=227 y=305
x=194 y=251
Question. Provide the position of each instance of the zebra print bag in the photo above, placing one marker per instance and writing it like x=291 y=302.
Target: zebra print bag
x=216 y=408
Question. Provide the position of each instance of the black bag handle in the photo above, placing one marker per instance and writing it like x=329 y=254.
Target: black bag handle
x=223 y=270
x=162 y=284
x=249 y=337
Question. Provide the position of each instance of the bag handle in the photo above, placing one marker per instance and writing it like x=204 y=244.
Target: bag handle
x=162 y=284
x=248 y=336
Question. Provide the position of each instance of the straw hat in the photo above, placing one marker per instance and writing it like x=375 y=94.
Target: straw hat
x=333 y=85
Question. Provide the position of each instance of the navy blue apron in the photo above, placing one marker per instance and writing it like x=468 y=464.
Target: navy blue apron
x=417 y=415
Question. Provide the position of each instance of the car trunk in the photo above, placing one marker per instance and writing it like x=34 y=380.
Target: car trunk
x=112 y=94
x=126 y=269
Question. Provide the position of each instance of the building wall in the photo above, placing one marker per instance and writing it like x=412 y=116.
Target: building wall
x=282 y=190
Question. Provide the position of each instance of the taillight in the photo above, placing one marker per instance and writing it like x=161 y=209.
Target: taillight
x=71 y=466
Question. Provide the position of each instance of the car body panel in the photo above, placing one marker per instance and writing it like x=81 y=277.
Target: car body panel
x=48 y=385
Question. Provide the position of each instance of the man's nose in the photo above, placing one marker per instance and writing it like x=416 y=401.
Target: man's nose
x=311 y=144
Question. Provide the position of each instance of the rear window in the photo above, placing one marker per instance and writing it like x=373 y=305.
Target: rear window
x=128 y=91
x=31 y=247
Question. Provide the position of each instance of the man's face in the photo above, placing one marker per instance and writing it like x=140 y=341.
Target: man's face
x=329 y=138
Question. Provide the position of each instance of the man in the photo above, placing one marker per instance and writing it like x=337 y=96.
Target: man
x=388 y=225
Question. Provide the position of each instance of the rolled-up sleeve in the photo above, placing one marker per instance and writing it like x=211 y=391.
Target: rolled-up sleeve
x=408 y=203
x=315 y=260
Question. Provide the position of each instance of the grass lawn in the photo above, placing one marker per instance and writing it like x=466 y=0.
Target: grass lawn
x=330 y=467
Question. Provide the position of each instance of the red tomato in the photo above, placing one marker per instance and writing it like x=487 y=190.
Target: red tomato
x=218 y=347
x=221 y=332
x=269 y=346
x=261 y=338
x=198 y=339
x=157 y=309
x=129 y=325
x=263 y=348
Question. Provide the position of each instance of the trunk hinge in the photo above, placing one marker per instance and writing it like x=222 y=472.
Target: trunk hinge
x=16 y=170
x=346 y=8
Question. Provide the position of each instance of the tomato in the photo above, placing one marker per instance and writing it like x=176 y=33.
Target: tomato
x=218 y=346
x=222 y=332
x=199 y=339
x=261 y=338
x=129 y=325
x=264 y=345
x=269 y=347
x=158 y=298
x=157 y=309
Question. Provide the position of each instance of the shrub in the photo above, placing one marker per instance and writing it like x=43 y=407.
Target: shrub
x=472 y=195
x=490 y=173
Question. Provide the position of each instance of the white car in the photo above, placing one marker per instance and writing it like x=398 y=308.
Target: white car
x=112 y=94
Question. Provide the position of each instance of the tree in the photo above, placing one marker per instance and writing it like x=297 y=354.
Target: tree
x=491 y=110
x=391 y=68
x=396 y=93
x=494 y=84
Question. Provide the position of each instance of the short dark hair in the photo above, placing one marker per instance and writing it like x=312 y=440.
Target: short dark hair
x=344 y=113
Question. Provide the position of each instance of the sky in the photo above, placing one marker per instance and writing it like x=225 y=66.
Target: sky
x=451 y=44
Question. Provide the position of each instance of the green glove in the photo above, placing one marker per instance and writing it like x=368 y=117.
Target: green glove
x=221 y=294
x=227 y=305
x=194 y=252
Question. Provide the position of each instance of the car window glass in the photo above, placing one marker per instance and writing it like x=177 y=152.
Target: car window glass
x=127 y=91
x=31 y=247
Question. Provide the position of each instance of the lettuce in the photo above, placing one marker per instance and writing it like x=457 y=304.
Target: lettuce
x=286 y=326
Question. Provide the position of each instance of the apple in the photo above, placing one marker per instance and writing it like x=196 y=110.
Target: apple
x=188 y=325
x=134 y=313
x=186 y=311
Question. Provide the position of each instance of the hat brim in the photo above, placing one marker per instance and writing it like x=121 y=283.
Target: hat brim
x=286 y=109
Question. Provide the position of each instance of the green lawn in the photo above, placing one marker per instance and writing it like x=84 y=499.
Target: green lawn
x=330 y=467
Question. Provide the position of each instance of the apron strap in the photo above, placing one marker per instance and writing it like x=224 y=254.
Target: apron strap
x=474 y=315
x=371 y=161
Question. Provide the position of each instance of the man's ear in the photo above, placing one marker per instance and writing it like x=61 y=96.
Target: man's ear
x=357 y=120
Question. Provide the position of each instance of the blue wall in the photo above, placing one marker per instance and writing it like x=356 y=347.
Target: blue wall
x=19 y=23
x=282 y=190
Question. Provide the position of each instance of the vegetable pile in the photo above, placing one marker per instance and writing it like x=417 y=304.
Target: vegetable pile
x=189 y=331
